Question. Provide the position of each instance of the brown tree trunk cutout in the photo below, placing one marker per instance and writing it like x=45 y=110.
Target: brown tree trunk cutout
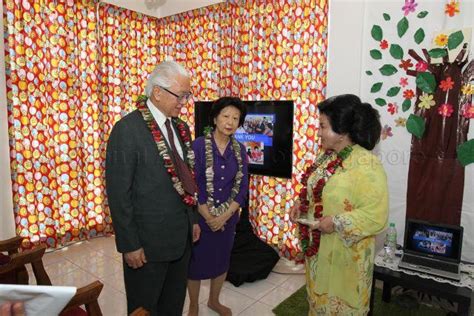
x=435 y=176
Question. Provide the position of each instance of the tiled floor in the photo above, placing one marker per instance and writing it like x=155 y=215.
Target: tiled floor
x=82 y=263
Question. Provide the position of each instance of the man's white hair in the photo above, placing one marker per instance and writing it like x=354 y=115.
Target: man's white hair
x=165 y=75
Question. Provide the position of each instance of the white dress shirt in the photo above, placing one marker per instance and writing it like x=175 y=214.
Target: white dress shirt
x=160 y=119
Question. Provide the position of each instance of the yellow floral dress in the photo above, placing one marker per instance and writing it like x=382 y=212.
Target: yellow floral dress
x=339 y=277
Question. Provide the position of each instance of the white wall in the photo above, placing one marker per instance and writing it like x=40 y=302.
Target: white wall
x=346 y=24
x=7 y=224
x=162 y=8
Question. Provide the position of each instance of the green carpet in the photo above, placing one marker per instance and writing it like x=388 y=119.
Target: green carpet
x=296 y=305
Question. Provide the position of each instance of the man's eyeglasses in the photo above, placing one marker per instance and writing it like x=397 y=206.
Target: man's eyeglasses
x=181 y=98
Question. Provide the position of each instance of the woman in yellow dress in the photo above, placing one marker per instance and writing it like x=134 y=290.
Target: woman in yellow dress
x=346 y=190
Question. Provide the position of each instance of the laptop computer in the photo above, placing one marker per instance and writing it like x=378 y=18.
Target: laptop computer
x=432 y=248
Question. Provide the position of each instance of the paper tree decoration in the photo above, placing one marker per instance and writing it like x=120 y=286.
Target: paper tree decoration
x=436 y=110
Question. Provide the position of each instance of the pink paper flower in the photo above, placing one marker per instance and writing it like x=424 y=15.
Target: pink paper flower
x=386 y=132
x=421 y=66
x=445 y=110
x=409 y=6
x=404 y=82
x=468 y=111
x=392 y=108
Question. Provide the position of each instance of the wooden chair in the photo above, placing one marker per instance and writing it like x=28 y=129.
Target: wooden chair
x=140 y=312
x=87 y=295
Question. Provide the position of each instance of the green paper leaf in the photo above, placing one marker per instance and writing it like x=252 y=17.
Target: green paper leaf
x=380 y=101
x=422 y=14
x=375 y=54
x=377 y=33
x=368 y=72
x=386 y=17
x=396 y=51
x=466 y=152
x=416 y=125
x=388 y=70
x=402 y=27
x=437 y=52
x=426 y=82
x=455 y=39
x=376 y=87
x=419 y=36
x=393 y=91
x=406 y=105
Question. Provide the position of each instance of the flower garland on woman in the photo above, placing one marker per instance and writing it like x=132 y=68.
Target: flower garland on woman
x=219 y=210
x=324 y=167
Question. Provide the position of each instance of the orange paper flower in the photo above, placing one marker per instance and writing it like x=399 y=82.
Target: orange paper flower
x=452 y=8
x=408 y=94
x=405 y=64
x=447 y=84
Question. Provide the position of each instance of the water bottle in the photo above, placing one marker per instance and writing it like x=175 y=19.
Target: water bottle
x=390 y=243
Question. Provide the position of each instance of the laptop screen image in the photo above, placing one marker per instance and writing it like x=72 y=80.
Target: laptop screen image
x=433 y=240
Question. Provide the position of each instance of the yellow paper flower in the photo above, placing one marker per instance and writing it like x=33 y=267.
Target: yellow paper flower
x=441 y=40
x=426 y=101
x=400 y=122
x=467 y=89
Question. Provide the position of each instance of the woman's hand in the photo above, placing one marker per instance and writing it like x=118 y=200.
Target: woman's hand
x=295 y=211
x=218 y=222
x=326 y=225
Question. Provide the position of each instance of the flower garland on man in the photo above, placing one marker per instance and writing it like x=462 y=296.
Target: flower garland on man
x=188 y=199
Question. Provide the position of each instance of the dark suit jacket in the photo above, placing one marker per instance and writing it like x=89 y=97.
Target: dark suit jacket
x=146 y=209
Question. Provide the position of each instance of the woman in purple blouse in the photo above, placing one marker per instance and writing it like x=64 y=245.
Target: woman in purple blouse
x=221 y=176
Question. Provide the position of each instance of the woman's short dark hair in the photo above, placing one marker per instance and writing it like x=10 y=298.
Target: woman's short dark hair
x=349 y=115
x=224 y=102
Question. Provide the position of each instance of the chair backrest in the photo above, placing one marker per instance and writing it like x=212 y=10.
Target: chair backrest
x=19 y=275
x=87 y=295
x=10 y=245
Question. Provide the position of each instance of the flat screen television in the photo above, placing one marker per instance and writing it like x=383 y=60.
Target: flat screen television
x=267 y=135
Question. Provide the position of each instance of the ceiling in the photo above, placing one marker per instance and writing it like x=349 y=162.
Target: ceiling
x=162 y=8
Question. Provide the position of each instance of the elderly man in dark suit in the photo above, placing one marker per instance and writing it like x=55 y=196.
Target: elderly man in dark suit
x=151 y=193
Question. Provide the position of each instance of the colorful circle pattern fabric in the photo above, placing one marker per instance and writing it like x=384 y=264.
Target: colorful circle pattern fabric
x=74 y=69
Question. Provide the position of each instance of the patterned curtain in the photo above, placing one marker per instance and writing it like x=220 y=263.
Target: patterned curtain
x=55 y=130
x=281 y=55
x=259 y=50
x=75 y=68
x=202 y=41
